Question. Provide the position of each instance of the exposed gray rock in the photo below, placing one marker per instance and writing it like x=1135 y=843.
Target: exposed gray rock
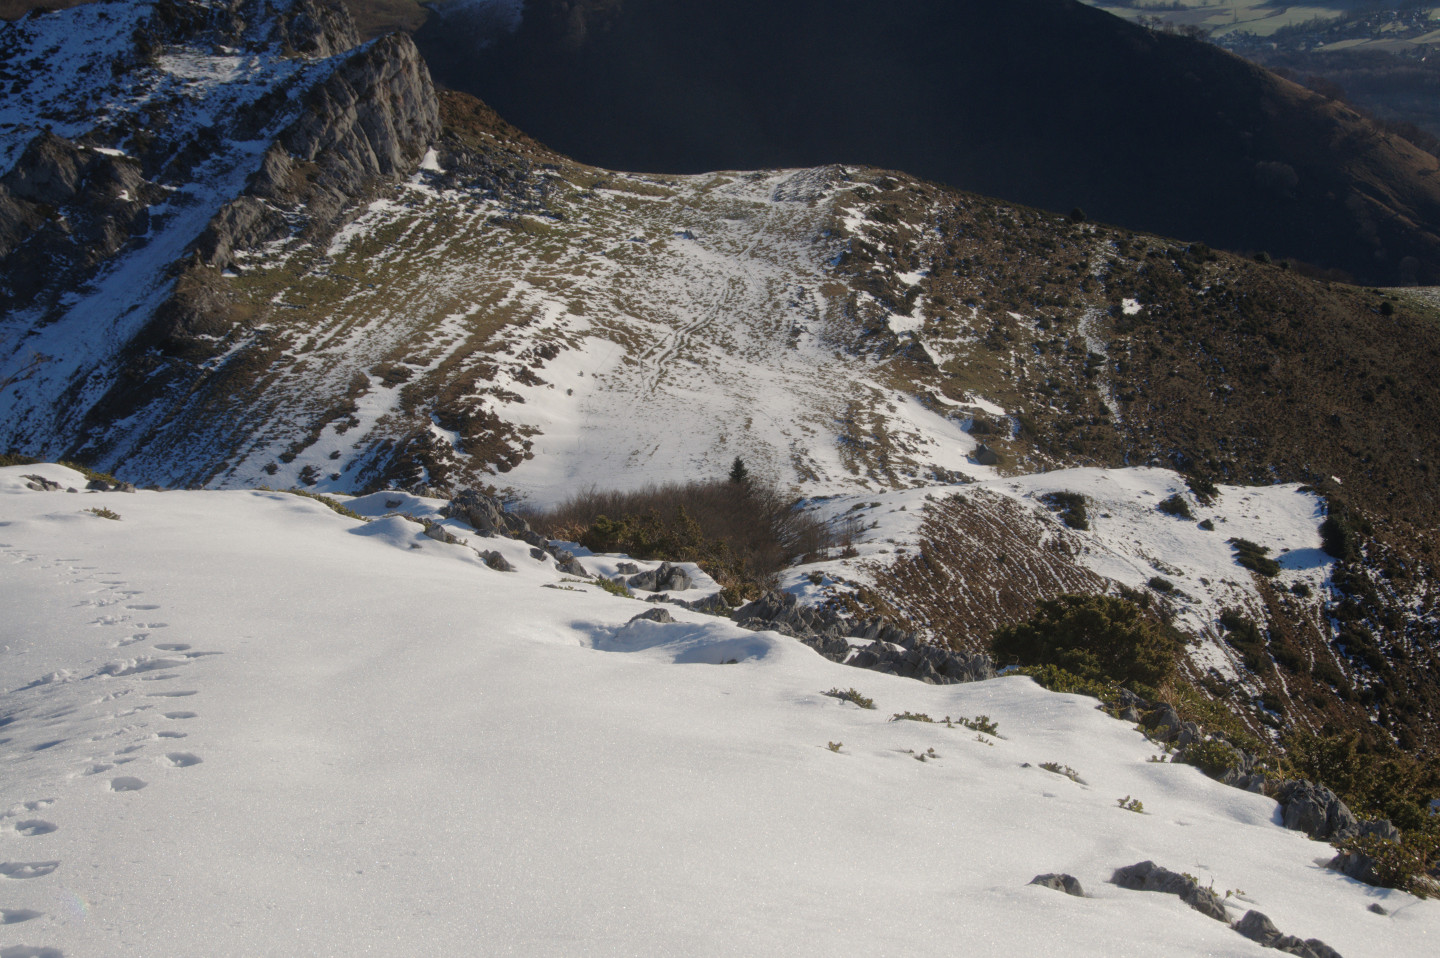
x=1069 y=884
x=372 y=119
x=41 y=484
x=100 y=485
x=1314 y=810
x=1378 y=908
x=892 y=650
x=666 y=578
x=1189 y=734
x=1259 y=928
x=627 y=568
x=497 y=561
x=1148 y=876
x=572 y=566
x=713 y=604
x=485 y=514
x=930 y=664
x=658 y=614
x=538 y=554
x=1163 y=722
x=434 y=530
x=65 y=209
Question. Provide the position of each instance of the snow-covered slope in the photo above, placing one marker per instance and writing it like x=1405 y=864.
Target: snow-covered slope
x=237 y=723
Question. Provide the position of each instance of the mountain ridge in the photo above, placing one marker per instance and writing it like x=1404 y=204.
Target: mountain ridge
x=1044 y=102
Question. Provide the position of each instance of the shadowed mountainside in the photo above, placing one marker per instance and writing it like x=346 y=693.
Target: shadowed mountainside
x=1045 y=102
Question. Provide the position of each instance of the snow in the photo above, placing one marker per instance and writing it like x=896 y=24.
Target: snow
x=236 y=723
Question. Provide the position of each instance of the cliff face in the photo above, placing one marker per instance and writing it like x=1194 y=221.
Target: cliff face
x=374 y=118
x=143 y=147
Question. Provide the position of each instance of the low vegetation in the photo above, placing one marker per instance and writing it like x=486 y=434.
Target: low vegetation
x=1071 y=506
x=1255 y=557
x=852 y=695
x=740 y=531
x=1099 y=638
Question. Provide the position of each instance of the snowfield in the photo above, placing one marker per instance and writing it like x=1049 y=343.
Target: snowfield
x=237 y=723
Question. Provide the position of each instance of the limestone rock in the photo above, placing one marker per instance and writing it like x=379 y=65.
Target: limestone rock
x=1148 y=876
x=1069 y=884
x=666 y=578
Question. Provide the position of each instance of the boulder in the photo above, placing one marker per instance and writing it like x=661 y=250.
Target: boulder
x=434 y=530
x=657 y=614
x=497 y=562
x=572 y=566
x=1066 y=883
x=1260 y=929
x=1313 y=809
x=41 y=484
x=627 y=568
x=667 y=578
x=1148 y=876
x=713 y=604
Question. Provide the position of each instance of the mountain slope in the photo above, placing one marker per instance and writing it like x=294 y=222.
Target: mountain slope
x=519 y=768
x=1043 y=102
x=347 y=282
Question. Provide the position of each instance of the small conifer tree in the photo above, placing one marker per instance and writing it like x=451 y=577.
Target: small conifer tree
x=739 y=475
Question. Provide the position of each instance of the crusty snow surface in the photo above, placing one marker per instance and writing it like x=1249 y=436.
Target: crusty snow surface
x=237 y=723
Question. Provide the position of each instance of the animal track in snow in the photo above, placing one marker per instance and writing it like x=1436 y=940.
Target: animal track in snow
x=25 y=951
x=143 y=664
x=182 y=759
x=24 y=870
x=170 y=733
x=180 y=715
x=173 y=647
x=127 y=783
x=142 y=608
x=137 y=637
x=32 y=827
x=169 y=695
x=14 y=916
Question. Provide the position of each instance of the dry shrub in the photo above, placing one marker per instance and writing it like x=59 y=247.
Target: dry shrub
x=741 y=533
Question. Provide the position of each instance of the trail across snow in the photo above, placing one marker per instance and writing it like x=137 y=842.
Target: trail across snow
x=237 y=723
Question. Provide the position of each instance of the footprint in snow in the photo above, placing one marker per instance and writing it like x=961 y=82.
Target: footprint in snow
x=25 y=951
x=182 y=759
x=180 y=715
x=142 y=608
x=14 y=916
x=169 y=695
x=170 y=734
x=32 y=827
x=25 y=870
x=127 y=783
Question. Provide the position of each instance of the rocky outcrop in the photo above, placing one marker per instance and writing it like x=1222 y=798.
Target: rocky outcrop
x=892 y=650
x=1148 y=876
x=1314 y=810
x=930 y=664
x=1260 y=929
x=65 y=209
x=373 y=119
x=485 y=514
